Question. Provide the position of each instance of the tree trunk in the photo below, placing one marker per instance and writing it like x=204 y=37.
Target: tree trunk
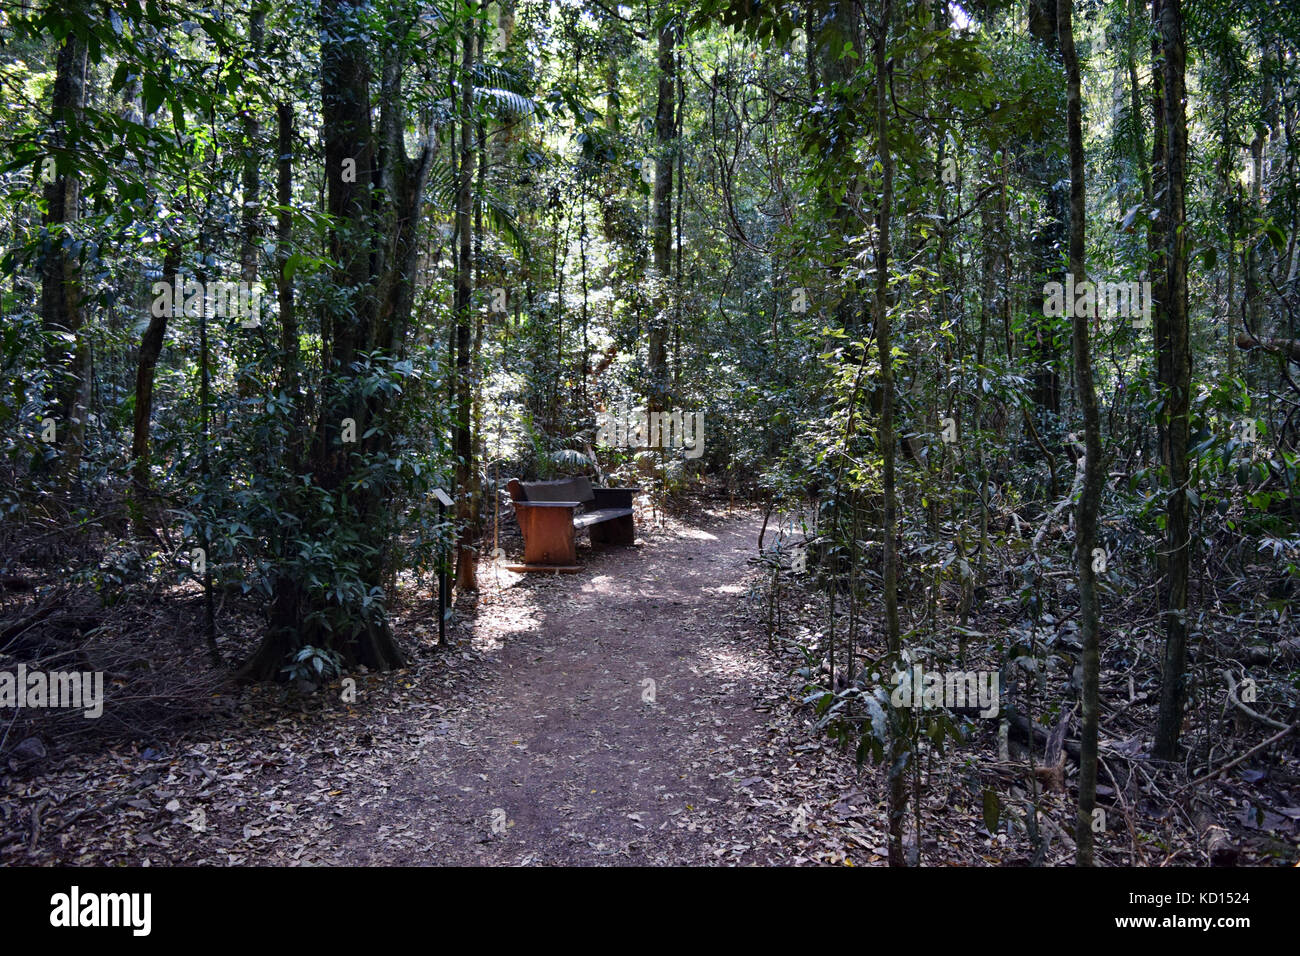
x=1177 y=386
x=1252 y=267
x=146 y=365
x=465 y=557
x=479 y=454
x=1086 y=523
x=1050 y=236
x=373 y=248
x=662 y=237
x=899 y=749
x=289 y=357
x=810 y=51
x=252 y=179
x=1228 y=196
x=838 y=74
x=1136 y=11
x=62 y=317
x=1156 y=236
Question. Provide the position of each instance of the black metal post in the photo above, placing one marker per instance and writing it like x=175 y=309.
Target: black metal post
x=442 y=579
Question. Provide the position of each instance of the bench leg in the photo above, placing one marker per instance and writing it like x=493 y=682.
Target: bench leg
x=619 y=531
x=548 y=535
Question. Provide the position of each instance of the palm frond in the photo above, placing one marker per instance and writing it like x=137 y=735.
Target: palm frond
x=570 y=457
x=505 y=103
x=499 y=77
x=497 y=216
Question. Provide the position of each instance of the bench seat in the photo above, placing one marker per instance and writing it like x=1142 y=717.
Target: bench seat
x=588 y=518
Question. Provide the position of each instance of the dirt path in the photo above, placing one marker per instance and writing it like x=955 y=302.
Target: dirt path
x=624 y=715
x=625 y=718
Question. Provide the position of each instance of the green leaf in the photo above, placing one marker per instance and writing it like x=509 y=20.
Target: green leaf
x=992 y=808
x=1276 y=236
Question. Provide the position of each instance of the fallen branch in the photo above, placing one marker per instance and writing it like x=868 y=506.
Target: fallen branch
x=1288 y=347
x=1052 y=771
x=36 y=826
x=18 y=628
x=1021 y=726
x=1047 y=455
x=1287 y=650
x=1064 y=503
x=1232 y=763
x=1254 y=715
x=1219 y=848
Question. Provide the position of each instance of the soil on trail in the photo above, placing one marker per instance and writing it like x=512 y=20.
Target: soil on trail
x=628 y=714
x=625 y=718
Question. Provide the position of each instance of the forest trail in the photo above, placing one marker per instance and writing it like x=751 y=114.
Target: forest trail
x=569 y=754
x=536 y=718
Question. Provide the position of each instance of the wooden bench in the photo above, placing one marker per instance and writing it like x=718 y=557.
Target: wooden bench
x=551 y=513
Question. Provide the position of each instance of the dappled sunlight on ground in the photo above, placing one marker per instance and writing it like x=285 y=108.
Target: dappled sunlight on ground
x=602 y=584
x=725 y=589
x=728 y=662
x=515 y=609
x=695 y=534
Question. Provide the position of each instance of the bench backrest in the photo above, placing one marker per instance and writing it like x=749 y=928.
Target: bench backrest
x=565 y=489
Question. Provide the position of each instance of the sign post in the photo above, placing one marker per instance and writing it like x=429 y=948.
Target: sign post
x=444 y=502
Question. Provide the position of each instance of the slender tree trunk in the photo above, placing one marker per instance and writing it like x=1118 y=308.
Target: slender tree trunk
x=465 y=558
x=838 y=74
x=62 y=316
x=1228 y=197
x=252 y=183
x=1177 y=386
x=146 y=365
x=476 y=350
x=1086 y=515
x=662 y=237
x=1252 y=287
x=205 y=462
x=1050 y=235
x=289 y=356
x=810 y=50
x=1156 y=237
x=1136 y=29
x=900 y=748
x=613 y=105
x=678 y=214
